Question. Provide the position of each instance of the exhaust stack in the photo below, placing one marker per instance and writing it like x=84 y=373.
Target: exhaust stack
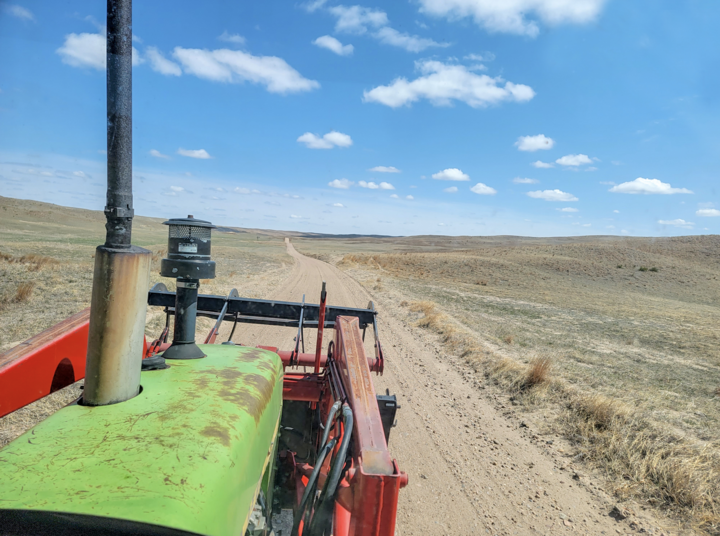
x=122 y=271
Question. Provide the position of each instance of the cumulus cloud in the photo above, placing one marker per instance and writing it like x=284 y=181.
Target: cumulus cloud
x=677 y=223
x=161 y=64
x=342 y=184
x=534 y=143
x=451 y=174
x=88 y=50
x=513 y=16
x=708 y=212
x=451 y=189
x=395 y=196
x=80 y=174
x=333 y=45
x=328 y=141
x=409 y=197
x=574 y=160
x=441 y=84
x=338 y=205
x=201 y=154
x=357 y=19
x=542 y=165
x=386 y=186
x=158 y=154
x=361 y=20
x=647 y=186
x=385 y=169
x=521 y=180
x=411 y=43
x=567 y=209
x=177 y=188
x=19 y=12
x=552 y=195
x=236 y=66
x=482 y=189
x=371 y=185
x=231 y=38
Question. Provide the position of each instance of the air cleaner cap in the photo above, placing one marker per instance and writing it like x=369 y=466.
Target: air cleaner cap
x=189 y=246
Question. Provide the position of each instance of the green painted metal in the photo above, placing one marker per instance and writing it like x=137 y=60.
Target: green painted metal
x=189 y=452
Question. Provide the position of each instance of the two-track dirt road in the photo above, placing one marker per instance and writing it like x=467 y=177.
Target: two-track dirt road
x=472 y=470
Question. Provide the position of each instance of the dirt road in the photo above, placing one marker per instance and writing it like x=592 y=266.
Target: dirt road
x=472 y=469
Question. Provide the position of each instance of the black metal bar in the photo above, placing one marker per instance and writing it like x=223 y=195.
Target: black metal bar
x=119 y=207
x=265 y=309
x=221 y=315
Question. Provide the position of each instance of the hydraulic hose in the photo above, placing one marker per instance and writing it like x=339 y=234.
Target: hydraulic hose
x=324 y=450
x=322 y=518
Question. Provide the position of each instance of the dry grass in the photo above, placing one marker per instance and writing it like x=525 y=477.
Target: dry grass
x=642 y=459
x=538 y=371
x=23 y=292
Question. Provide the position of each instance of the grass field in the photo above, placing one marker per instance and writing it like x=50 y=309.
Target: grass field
x=612 y=341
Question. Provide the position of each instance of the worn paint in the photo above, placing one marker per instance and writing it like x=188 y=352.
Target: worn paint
x=188 y=452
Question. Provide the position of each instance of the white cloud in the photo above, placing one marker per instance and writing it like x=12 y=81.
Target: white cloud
x=708 y=212
x=482 y=189
x=511 y=16
x=342 y=184
x=332 y=44
x=411 y=43
x=80 y=174
x=442 y=83
x=157 y=154
x=231 y=38
x=236 y=66
x=409 y=197
x=485 y=56
x=542 y=165
x=161 y=64
x=647 y=186
x=19 y=12
x=386 y=186
x=338 y=205
x=202 y=154
x=616 y=211
x=520 y=180
x=177 y=188
x=552 y=195
x=314 y=5
x=371 y=185
x=677 y=223
x=357 y=19
x=295 y=217
x=587 y=224
x=385 y=169
x=591 y=168
x=328 y=141
x=451 y=189
x=567 y=209
x=451 y=174
x=534 y=143
x=574 y=160
x=395 y=196
x=88 y=50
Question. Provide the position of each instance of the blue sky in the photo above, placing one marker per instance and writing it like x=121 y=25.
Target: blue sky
x=478 y=117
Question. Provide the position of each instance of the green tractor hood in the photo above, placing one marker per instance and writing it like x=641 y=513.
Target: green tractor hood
x=187 y=455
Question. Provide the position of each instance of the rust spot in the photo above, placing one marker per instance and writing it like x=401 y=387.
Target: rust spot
x=215 y=432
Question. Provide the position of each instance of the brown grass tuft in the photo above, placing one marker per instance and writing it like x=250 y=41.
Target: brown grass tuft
x=538 y=372
x=508 y=339
x=23 y=292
